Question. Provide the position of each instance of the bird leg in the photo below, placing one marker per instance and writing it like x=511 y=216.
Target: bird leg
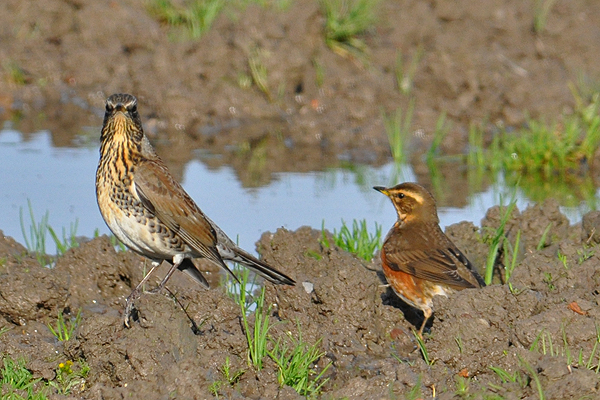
x=426 y=315
x=135 y=293
x=177 y=260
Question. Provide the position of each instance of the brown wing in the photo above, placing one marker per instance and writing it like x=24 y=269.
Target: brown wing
x=428 y=254
x=165 y=197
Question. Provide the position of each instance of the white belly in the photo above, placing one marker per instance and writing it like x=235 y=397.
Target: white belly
x=136 y=232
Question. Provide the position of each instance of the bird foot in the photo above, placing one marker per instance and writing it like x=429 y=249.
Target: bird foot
x=156 y=289
x=127 y=315
x=129 y=307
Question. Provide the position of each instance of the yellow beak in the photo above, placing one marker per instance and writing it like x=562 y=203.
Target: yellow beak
x=382 y=189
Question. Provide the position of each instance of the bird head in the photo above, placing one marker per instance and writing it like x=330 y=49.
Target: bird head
x=122 y=122
x=412 y=202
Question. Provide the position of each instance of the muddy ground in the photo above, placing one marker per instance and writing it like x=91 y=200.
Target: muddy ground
x=481 y=63
x=340 y=300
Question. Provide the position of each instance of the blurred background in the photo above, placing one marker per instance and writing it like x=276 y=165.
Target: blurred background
x=286 y=113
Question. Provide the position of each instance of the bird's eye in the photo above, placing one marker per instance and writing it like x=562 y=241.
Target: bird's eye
x=400 y=195
x=109 y=107
x=133 y=108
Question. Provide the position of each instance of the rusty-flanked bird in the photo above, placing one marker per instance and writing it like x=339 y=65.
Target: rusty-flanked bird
x=418 y=259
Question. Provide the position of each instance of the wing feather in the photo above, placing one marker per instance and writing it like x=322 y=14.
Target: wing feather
x=164 y=196
x=441 y=264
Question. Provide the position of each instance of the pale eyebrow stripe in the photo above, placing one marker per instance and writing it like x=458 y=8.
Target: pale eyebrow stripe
x=418 y=198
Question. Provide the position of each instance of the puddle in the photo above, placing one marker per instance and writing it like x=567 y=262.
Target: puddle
x=61 y=182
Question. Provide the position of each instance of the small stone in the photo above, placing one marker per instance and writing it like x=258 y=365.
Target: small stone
x=308 y=287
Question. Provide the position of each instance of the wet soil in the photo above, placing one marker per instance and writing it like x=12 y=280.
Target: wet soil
x=481 y=62
x=180 y=339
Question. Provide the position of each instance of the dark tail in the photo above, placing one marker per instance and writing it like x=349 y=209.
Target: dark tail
x=262 y=268
x=189 y=268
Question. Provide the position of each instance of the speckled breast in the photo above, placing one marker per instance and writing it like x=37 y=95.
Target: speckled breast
x=133 y=224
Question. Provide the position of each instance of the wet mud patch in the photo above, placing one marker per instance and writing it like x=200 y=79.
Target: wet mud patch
x=543 y=334
x=476 y=62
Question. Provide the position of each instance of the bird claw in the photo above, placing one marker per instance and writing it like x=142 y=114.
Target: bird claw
x=129 y=307
x=155 y=290
x=127 y=314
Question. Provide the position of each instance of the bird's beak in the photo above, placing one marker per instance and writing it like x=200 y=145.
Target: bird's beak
x=382 y=189
x=121 y=107
x=120 y=116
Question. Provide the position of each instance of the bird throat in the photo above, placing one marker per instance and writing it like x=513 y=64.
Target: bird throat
x=403 y=216
x=119 y=153
x=121 y=128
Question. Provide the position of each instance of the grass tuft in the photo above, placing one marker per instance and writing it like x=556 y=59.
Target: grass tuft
x=459 y=343
x=231 y=378
x=295 y=360
x=510 y=267
x=64 y=329
x=345 y=21
x=195 y=16
x=542 y=242
x=14 y=73
x=542 y=9
x=116 y=243
x=398 y=129
x=357 y=241
x=544 y=344
x=35 y=241
x=462 y=387
x=531 y=372
x=541 y=148
x=423 y=349
x=259 y=73
x=68 y=241
x=584 y=254
x=593 y=361
x=442 y=127
x=496 y=239
x=257 y=335
x=17 y=381
x=415 y=392
x=516 y=377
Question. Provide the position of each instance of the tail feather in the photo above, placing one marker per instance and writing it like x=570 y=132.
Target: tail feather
x=261 y=268
x=189 y=268
x=240 y=256
x=229 y=251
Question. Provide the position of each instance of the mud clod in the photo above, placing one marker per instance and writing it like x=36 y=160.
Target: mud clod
x=540 y=327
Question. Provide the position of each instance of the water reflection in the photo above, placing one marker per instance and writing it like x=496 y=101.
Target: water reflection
x=61 y=181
